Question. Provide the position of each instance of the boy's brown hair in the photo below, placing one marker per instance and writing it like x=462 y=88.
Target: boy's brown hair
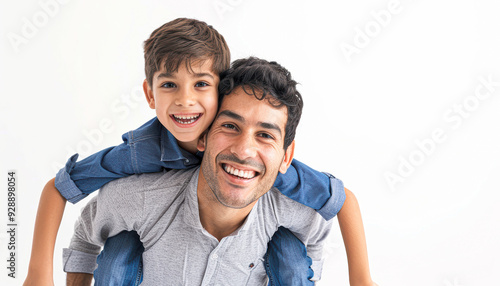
x=185 y=41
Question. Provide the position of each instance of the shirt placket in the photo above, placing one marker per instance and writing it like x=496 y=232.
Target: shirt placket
x=214 y=260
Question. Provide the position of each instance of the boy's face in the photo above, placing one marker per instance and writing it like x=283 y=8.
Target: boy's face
x=186 y=100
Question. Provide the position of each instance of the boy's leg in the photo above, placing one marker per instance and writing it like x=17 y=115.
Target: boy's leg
x=120 y=262
x=286 y=260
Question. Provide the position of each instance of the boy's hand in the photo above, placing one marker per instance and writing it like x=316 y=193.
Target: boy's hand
x=78 y=279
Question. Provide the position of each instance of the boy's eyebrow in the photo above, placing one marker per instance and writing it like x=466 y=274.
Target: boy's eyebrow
x=238 y=117
x=172 y=75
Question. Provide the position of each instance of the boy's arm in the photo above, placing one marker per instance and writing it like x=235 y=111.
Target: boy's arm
x=86 y=176
x=77 y=179
x=317 y=190
x=140 y=152
x=351 y=226
x=326 y=195
x=48 y=219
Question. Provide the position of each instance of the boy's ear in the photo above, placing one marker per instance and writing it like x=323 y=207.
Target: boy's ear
x=287 y=160
x=202 y=142
x=148 y=92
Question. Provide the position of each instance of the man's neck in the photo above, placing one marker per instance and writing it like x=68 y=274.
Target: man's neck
x=219 y=220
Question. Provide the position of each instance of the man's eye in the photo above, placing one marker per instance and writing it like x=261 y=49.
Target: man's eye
x=266 y=135
x=201 y=84
x=168 y=85
x=229 y=126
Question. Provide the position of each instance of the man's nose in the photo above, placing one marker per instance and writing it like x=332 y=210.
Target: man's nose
x=185 y=97
x=244 y=146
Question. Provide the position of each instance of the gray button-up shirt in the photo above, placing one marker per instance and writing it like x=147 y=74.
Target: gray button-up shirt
x=163 y=209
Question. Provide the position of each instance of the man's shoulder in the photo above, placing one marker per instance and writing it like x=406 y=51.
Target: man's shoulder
x=283 y=205
x=143 y=183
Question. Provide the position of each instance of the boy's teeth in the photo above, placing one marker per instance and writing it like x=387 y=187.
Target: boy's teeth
x=186 y=119
x=239 y=173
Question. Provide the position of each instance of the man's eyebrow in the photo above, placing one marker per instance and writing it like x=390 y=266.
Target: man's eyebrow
x=271 y=126
x=231 y=114
x=196 y=75
x=240 y=118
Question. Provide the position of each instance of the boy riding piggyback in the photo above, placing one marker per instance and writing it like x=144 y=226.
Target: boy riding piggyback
x=183 y=60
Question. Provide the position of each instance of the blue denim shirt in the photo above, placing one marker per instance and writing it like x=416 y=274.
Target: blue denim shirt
x=152 y=148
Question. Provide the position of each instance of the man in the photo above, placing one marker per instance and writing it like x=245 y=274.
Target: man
x=212 y=224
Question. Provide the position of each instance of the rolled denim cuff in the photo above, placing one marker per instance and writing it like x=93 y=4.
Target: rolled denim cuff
x=65 y=185
x=336 y=201
x=317 y=267
x=79 y=262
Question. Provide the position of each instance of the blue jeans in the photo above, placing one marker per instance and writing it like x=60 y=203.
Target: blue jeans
x=286 y=261
x=120 y=261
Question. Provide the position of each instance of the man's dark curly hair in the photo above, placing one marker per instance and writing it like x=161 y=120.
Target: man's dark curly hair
x=265 y=80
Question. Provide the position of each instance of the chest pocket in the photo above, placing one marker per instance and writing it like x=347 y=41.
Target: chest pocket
x=257 y=272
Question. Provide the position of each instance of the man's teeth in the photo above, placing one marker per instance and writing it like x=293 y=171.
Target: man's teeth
x=239 y=173
x=186 y=119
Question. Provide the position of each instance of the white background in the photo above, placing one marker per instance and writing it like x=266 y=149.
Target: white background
x=365 y=114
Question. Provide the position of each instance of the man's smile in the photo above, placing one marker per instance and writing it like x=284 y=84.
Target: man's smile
x=243 y=174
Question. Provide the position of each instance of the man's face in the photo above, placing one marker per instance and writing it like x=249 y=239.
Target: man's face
x=185 y=100
x=244 y=149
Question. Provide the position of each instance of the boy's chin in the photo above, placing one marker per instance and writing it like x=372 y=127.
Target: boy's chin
x=186 y=137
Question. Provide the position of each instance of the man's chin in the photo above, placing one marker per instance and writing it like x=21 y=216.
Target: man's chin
x=234 y=201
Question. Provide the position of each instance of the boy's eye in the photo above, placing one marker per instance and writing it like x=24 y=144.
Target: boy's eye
x=168 y=85
x=201 y=84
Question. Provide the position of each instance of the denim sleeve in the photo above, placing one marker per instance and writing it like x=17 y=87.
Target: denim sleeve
x=78 y=179
x=317 y=190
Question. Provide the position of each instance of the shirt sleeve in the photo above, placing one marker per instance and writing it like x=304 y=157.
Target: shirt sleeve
x=78 y=179
x=106 y=215
x=317 y=190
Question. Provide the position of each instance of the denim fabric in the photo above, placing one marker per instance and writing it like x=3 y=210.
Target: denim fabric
x=120 y=262
x=149 y=149
x=286 y=260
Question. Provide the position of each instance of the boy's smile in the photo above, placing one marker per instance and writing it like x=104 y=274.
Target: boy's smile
x=185 y=100
x=186 y=120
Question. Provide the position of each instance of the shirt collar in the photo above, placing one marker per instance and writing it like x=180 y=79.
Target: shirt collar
x=170 y=150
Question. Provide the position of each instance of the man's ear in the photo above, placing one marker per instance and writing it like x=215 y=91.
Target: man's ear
x=202 y=142
x=287 y=160
x=148 y=92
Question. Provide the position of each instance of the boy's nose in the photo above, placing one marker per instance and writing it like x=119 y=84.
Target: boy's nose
x=185 y=98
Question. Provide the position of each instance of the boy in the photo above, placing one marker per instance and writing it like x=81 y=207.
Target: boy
x=183 y=61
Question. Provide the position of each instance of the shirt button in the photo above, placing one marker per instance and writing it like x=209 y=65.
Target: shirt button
x=215 y=256
x=187 y=161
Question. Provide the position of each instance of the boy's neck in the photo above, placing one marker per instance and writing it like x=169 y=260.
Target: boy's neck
x=191 y=146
